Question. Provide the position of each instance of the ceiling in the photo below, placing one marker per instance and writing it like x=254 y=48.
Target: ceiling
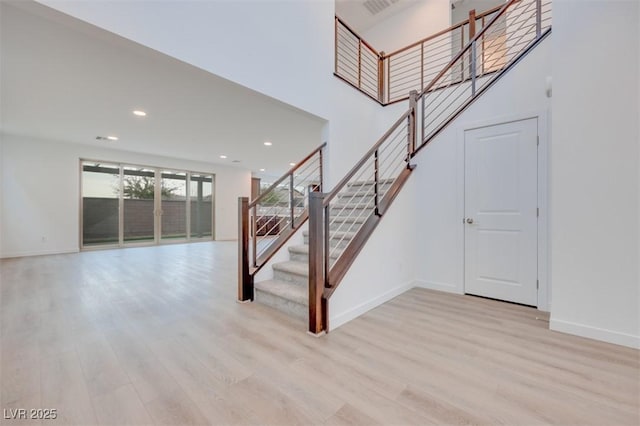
x=358 y=12
x=63 y=79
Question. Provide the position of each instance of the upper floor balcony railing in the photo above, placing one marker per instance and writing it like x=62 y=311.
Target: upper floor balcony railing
x=389 y=78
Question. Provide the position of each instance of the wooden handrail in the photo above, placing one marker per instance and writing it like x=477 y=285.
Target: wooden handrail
x=446 y=30
x=245 y=279
x=340 y=268
x=379 y=96
x=330 y=196
x=498 y=74
x=249 y=265
x=467 y=47
x=432 y=36
x=286 y=175
x=352 y=31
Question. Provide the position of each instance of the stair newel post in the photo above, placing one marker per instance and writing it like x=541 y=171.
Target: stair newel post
x=327 y=256
x=472 y=60
x=381 y=77
x=462 y=47
x=473 y=68
x=245 y=280
x=254 y=236
x=316 y=263
x=413 y=119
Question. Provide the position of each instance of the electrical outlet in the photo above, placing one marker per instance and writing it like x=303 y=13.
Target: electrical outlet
x=44 y=239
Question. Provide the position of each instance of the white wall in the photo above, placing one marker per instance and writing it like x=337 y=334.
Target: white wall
x=386 y=265
x=440 y=173
x=40 y=192
x=594 y=170
x=410 y=25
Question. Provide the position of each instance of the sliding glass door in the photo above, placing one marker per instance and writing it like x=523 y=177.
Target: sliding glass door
x=173 y=206
x=137 y=205
x=100 y=204
x=201 y=205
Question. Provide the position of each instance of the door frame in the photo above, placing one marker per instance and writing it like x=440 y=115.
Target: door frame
x=543 y=119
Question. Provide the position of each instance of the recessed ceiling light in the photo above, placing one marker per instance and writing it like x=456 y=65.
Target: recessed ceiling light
x=112 y=138
x=139 y=113
x=223 y=156
x=267 y=143
x=262 y=170
x=292 y=164
x=235 y=161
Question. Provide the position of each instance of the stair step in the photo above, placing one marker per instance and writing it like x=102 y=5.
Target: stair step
x=301 y=253
x=292 y=271
x=362 y=192
x=364 y=197
x=338 y=220
x=370 y=183
x=285 y=296
x=338 y=238
x=369 y=204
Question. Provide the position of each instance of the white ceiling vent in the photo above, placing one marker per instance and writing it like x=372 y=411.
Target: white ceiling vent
x=377 y=6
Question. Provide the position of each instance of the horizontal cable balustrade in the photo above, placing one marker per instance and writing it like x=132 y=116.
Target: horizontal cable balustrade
x=388 y=78
x=266 y=223
x=341 y=221
x=507 y=35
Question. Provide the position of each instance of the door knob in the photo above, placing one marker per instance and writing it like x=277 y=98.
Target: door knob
x=469 y=220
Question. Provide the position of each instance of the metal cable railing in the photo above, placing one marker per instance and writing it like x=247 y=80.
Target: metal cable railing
x=388 y=78
x=267 y=222
x=356 y=62
x=340 y=222
x=509 y=33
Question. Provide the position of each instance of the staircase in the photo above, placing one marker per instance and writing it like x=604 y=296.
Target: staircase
x=341 y=221
x=288 y=291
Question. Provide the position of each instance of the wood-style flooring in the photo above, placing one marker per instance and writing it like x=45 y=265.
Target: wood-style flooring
x=154 y=336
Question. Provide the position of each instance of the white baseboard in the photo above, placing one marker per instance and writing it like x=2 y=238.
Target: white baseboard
x=595 y=333
x=38 y=253
x=432 y=285
x=345 y=317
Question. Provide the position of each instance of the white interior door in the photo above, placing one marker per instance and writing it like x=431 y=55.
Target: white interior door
x=501 y=169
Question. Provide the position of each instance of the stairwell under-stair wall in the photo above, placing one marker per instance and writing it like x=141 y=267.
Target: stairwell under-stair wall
x=520 y=94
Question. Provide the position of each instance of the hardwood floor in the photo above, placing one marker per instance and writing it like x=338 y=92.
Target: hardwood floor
x=154 y=336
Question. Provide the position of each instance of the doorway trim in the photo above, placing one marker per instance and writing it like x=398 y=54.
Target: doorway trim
x=542 y=117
